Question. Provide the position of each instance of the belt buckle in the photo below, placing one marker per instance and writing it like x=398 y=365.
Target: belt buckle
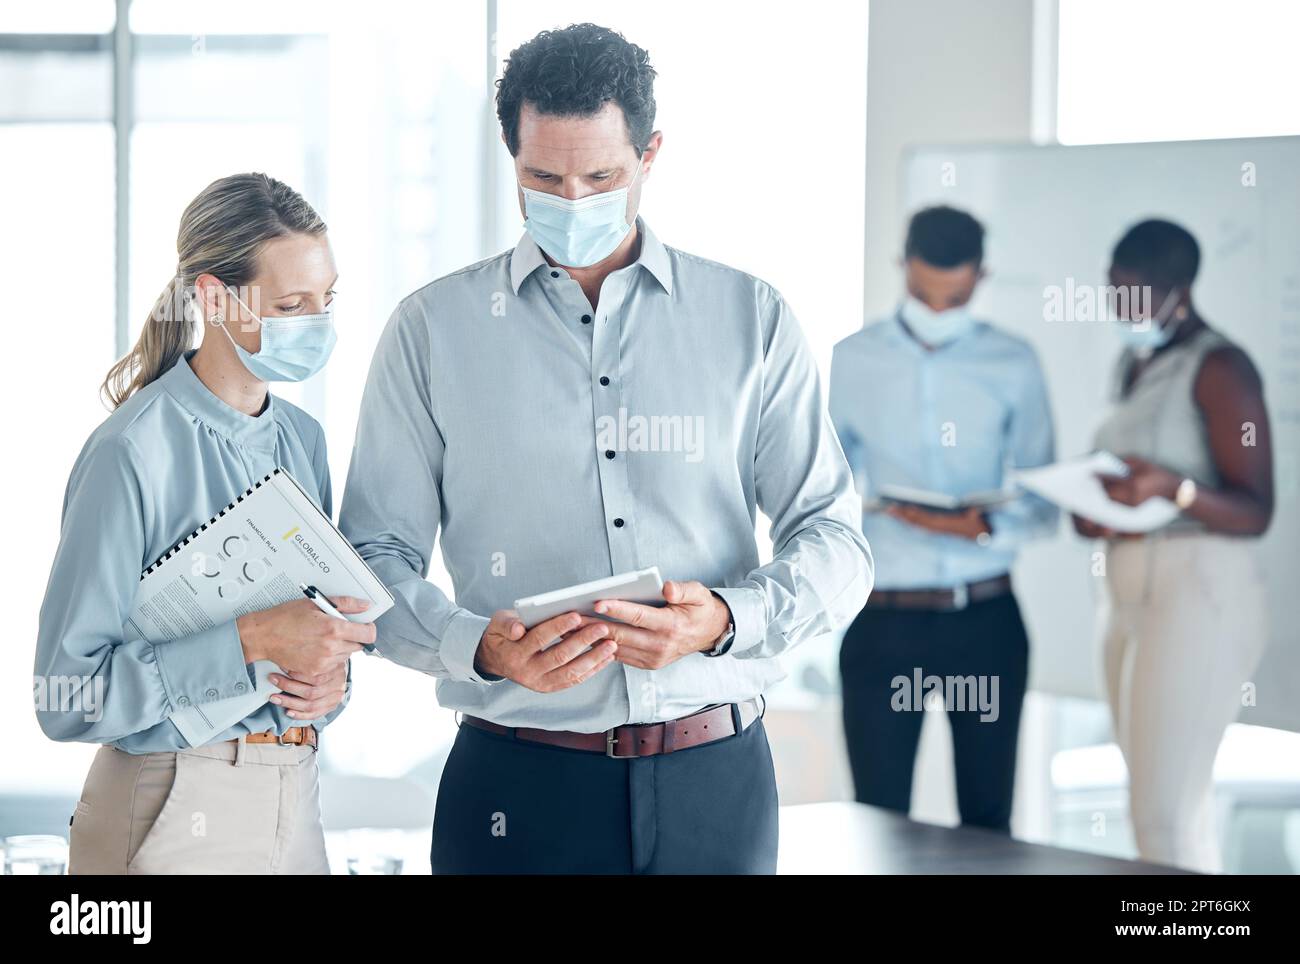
x=302 y=736
x=960 y=596
x=610 y=740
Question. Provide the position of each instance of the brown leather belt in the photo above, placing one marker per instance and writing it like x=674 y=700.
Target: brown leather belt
x=638 y=739
x=940 y=600
x=294 y=736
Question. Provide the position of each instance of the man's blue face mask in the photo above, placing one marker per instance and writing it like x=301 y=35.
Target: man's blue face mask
x=578 y=234
x=935 y=328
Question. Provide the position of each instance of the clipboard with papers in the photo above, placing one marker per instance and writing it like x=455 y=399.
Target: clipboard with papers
x=252 y=555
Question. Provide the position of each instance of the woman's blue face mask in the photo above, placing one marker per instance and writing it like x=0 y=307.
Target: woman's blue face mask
x=294 y=347
x=578 y=234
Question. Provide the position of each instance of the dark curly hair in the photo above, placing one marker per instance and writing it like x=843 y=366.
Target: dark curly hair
x=574 y=72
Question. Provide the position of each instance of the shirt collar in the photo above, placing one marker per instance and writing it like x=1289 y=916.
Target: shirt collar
x=527 y=257
x=187 y=388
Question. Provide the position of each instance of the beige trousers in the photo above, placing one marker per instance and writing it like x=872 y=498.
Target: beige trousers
x=1185 y=627
x=227 y=808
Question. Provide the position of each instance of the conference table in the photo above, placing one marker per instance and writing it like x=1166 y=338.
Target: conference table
x=816 y=838
x=853 y=838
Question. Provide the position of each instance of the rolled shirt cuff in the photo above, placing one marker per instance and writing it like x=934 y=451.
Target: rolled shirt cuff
x=748 y=614
x=204 y=667
x=460 y=643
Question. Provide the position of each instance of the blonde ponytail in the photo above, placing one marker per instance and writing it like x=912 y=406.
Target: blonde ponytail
x=167 y=334
x=222 y=233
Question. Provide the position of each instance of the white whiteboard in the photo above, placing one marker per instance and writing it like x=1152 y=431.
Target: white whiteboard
x=1053 y=213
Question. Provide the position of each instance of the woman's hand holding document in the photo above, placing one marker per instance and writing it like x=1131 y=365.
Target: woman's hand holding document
x=249 y=563
x=280 y=635
x=1076 y=486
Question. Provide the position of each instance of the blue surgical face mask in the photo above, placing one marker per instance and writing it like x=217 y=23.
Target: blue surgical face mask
x=935 y=327
x=1146 y=337
x=578 y=234
x=293 y=347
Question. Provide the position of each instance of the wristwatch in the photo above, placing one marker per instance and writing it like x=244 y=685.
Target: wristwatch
x=1185 y=494
x=723 y=642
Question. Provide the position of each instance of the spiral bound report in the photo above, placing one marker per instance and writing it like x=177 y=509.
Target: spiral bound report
x=251 y=555
x=211 y=522
x=256 y=553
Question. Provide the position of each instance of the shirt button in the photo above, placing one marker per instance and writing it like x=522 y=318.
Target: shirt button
x=618 y=523
x=604 y=379
x=240 y=687
x=182 y=701
x=555 y=274
x=586 y=319
x=609 y=453
x=212 y=694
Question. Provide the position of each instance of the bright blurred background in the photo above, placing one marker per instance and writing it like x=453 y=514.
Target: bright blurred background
x=784 y=128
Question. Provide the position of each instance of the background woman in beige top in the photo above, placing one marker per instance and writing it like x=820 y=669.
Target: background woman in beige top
x=1186 y=619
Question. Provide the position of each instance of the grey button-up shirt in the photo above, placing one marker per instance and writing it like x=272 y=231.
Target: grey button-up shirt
x=553 y=443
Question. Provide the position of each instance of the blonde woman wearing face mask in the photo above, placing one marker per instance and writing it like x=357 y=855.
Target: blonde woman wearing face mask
x=192 y=428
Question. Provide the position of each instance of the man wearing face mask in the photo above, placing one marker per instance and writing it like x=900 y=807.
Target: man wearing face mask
x=510 y=405
x=931 y=399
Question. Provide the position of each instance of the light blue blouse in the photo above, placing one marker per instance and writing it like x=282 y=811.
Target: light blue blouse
x=161 y=464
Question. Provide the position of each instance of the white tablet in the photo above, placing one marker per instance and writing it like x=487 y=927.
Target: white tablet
x=643 y=586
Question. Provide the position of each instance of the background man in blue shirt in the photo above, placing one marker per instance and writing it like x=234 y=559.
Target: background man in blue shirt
x=931 y=399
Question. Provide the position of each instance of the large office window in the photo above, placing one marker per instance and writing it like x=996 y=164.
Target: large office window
x=1166 y=70
x=57 y=249
x=374 y=112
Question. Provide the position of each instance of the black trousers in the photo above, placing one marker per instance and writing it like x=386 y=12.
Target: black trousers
x=506 y=806
x=891 y=657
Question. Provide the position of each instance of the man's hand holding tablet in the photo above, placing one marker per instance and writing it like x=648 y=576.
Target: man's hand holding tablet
x=640 y=586
x=651 y=637
x=508 y=650
x=517 y=643
x=655 y=624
